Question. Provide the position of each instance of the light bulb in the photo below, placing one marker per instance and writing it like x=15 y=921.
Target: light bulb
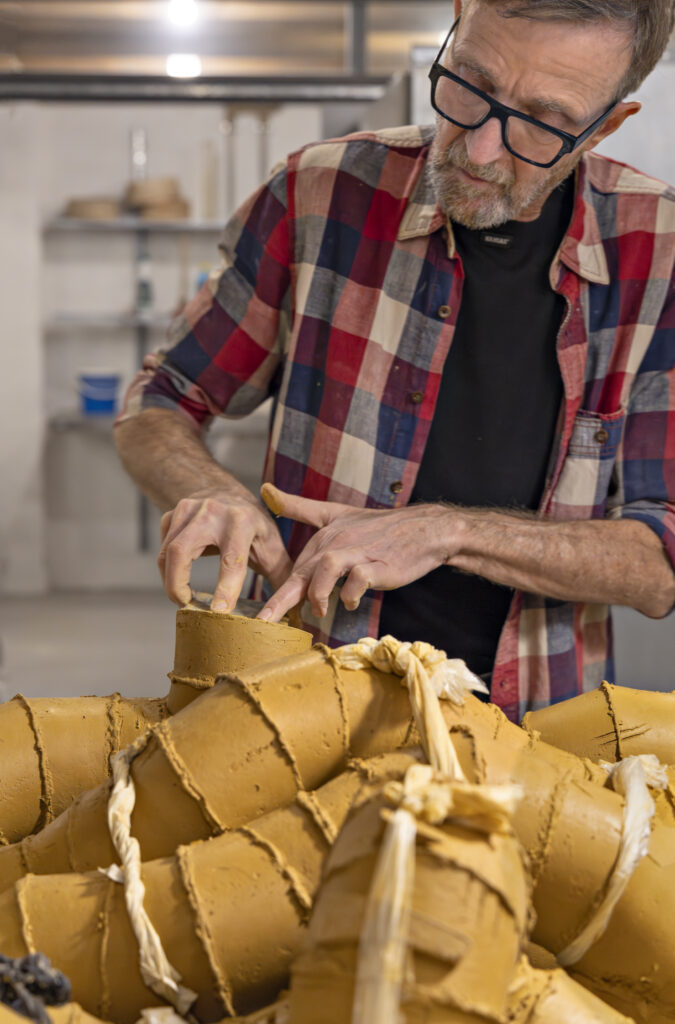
x=183 y=13
x=183 y=65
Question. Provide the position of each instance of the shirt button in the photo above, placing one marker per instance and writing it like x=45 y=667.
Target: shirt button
x=417 y=397
x=396 y=487
x=601 y=436
x=444 y=312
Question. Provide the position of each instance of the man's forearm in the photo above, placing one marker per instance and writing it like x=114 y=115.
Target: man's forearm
x=167 y=459
x=597 y=561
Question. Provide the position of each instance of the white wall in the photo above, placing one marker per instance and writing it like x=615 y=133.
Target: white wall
x=73 y=521
x=647 y=139
x=22 y=564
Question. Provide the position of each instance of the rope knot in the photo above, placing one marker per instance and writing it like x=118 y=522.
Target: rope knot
x=431 y=797
x=428 y=674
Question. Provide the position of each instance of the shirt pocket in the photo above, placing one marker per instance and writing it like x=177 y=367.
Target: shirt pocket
x=583 y=485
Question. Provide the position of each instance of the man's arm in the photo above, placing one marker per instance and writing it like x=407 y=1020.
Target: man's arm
x=598 y=561
x=208 y=507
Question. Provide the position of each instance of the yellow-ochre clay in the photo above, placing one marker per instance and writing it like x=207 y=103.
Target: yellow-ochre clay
x=39 y=737
x=230 y=912
x=211 y=778
x=468 y=916
x=69 y=1013
x=610 y=723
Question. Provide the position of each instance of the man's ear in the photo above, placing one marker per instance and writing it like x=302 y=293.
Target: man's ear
x=458 y=8
x=614 y=121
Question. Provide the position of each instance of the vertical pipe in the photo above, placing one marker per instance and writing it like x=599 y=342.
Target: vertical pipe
x=356 y=37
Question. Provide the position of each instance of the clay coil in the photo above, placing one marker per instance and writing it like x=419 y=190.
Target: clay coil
x=468 y=888
x=610 y=724
x=69 y=1013
x=568 y=822
x=52 y=750
x=230 y=912
x=243 y=749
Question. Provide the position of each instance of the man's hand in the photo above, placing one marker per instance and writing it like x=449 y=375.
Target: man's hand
x=598 y=561
x=378 y=549
x=234 y=523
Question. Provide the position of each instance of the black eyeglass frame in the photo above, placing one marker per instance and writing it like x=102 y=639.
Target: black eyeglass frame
x=503 y=113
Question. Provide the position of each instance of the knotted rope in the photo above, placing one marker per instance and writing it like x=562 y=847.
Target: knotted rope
x=426 y=796
x=156 y=971
x=631 y=777
x=429 y=675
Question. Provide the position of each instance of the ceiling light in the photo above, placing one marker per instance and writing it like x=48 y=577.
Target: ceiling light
x=183 y=13
x=183 y=65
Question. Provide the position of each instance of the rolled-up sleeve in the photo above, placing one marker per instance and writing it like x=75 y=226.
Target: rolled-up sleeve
x=224 y=349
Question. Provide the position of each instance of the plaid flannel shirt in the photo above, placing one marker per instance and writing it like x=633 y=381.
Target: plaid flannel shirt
x=339 y=294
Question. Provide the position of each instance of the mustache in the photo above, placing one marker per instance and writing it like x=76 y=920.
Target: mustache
x=456 y=156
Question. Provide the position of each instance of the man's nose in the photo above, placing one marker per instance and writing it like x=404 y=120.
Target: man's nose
x=484 y=145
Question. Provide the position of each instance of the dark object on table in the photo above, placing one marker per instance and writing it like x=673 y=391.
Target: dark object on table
x=29 y=983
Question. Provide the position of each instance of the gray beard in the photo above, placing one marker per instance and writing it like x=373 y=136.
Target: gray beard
x=478 y=208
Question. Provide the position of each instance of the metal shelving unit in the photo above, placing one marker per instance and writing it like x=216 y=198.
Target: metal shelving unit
x=80 y=224
x=139 y=321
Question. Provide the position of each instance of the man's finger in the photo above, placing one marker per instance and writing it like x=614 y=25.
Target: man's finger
x=360 y=579
x=177 y=566
x=330 y=567
x=233 y=564
x=173 y=525
x=291 y=593
x=164 y=525
x=303 y=510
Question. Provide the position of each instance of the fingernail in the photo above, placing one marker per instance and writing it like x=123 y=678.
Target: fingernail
x=265 y=614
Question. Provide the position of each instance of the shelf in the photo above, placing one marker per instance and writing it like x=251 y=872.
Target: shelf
x=81 y=224
x=69 y=321
x=74 y=420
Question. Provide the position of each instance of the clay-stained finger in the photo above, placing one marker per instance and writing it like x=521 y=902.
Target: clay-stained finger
x=303 y=510
x=234 y=557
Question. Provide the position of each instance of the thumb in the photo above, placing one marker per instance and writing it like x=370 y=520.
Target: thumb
x=303 y=510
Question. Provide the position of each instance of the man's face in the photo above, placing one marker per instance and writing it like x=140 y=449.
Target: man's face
x=562 y=73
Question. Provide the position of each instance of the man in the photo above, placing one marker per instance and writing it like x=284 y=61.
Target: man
x=470 y=337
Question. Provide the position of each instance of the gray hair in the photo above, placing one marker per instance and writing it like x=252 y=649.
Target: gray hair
x=650 y=23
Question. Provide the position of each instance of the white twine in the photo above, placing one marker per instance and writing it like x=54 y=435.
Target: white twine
x=156 y=971
x=429 y=675
x=383 y=947
x=631 y=777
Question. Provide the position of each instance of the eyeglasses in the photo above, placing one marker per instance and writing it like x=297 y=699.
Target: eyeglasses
x=525 y=137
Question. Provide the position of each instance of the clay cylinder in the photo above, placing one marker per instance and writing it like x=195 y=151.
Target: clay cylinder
x=52 y=750
x=610 y=723
x=570 y=828
x=68 y=1013
x=210 y=644
x=253 y=741
x=197 y=776
x=230 y=912
x=552 y=997
x=469 y=912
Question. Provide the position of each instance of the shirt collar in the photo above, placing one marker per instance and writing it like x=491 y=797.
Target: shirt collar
x=581 y=249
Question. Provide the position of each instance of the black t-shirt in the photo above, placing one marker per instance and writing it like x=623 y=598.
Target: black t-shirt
x=492 y=433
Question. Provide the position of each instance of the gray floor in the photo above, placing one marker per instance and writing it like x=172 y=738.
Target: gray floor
x=67 y=644
x=64 y=645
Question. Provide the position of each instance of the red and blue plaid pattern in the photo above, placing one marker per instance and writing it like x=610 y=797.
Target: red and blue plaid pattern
x=339 y=293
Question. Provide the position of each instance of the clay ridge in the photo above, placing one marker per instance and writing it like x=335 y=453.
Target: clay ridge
x=46 y=780
x=202 y=930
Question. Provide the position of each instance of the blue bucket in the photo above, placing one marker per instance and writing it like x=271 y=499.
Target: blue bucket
x=98 y=392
